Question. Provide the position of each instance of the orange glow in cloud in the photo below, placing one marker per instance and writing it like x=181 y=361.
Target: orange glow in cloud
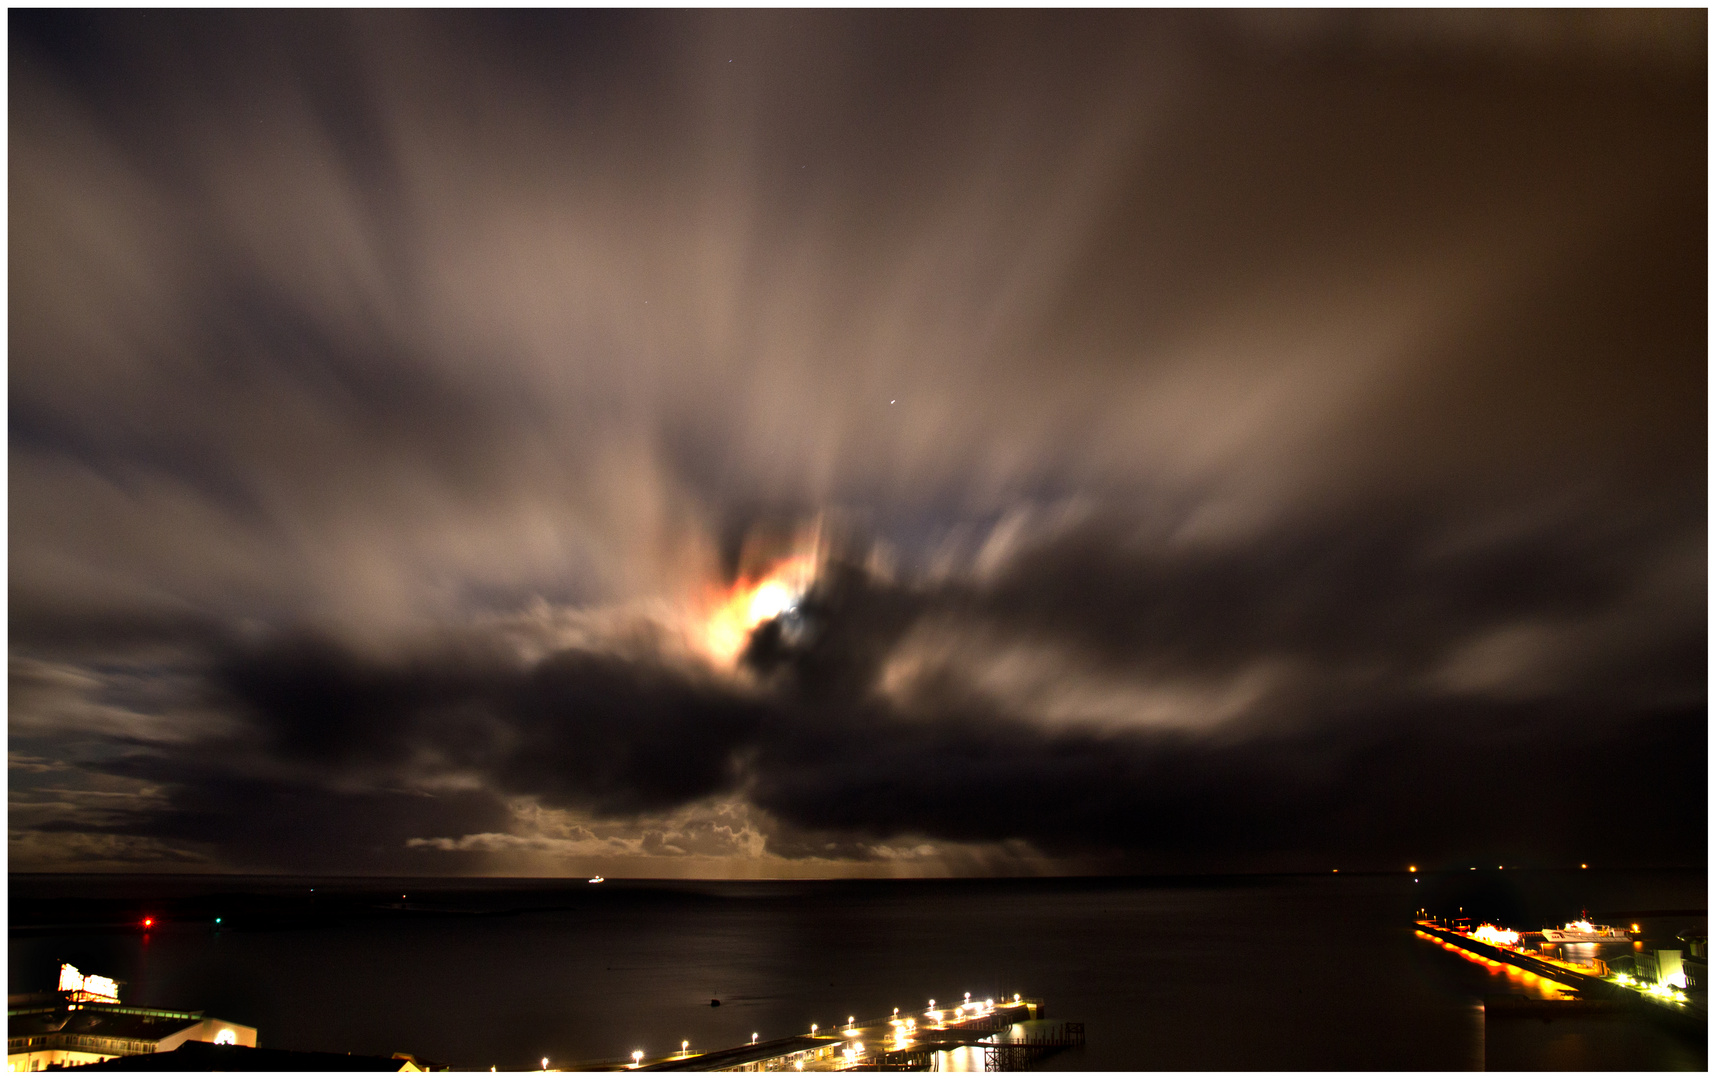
x=751 y=601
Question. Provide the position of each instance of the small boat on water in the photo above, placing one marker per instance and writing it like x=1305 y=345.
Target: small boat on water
x=597 y=880
x=1584 y=931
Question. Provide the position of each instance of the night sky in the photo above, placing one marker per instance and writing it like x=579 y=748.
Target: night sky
x=812 y=444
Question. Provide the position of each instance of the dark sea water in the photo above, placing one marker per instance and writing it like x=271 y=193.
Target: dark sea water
x=1241 y=973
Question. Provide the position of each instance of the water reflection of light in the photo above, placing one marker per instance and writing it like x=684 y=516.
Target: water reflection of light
x=1540 y=986
x=959 y=1059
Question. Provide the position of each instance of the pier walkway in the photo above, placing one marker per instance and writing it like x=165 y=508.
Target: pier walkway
x=1588 y=984
x=1009 y=1034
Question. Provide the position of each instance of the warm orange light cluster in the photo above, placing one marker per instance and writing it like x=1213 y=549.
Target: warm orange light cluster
x=1530 y=978
x=736 y=611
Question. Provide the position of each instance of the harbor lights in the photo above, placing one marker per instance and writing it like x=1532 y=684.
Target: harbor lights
x=684 y=1047
x=637 y=1058
x=544 y=1064
x=753 y=1038
x=813 y=1029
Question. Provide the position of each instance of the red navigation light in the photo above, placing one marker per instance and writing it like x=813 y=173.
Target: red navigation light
x=147 y=923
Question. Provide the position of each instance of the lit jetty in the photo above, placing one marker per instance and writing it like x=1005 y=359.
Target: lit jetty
x=983 y=1035
x=1655 y=980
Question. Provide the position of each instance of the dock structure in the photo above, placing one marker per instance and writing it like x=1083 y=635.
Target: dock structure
x=1591 y=983
x=1001 y=1035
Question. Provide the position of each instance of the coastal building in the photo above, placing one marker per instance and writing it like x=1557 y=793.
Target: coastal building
x=59 y=1034
x=81 y=1022
x=201 y=1057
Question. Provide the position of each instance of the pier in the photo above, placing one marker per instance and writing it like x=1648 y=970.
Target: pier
x=1591 y=984
x=995 y=1036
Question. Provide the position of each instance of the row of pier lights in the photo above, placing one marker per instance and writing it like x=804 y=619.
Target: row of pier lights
x=902 y=1035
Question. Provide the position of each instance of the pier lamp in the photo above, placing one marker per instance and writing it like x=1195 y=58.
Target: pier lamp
x=813 y=1029
x=968 y=995
x=753 y=1038
x=850 y=1020
x=685 y=1046
x=932 y=1003
x=637 y=1058
x=544 y=1064
x=896 y=1010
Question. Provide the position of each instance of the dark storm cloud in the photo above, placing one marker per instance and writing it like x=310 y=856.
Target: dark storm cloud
x=1374 y=791
x=1255 y=433
x=1389 y=768
x=262 y=824
x=612 y=735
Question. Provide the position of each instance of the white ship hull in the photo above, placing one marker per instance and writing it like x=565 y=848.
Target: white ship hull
x=1597 y=935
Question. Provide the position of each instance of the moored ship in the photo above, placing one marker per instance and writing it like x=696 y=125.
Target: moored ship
x=1584 y=931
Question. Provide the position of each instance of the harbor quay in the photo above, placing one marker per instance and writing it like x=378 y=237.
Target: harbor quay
x=971 y=1036
x=1673 y=994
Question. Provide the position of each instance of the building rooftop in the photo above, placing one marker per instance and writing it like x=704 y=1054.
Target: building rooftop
x=109 y=1021
x=207 y=1057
